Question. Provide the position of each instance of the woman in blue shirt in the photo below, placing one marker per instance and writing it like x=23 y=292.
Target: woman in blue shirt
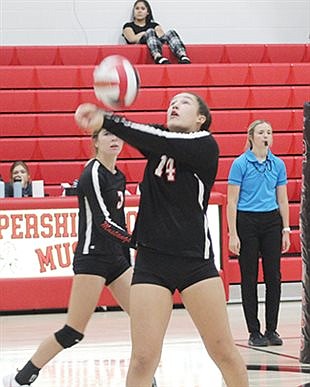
x=258 y=221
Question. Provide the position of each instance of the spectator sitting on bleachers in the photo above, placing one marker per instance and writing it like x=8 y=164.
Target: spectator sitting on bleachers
x=19 y=171
x=144 y=30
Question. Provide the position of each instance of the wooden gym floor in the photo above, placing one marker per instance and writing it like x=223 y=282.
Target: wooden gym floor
x=101 y=359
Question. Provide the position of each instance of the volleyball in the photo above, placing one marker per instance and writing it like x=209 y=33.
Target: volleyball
x=116 y=82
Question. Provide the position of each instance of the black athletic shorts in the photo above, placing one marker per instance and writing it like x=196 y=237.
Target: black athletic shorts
x=108 y=267
x=170 y=271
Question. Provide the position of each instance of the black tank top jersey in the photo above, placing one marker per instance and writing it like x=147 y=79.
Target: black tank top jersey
x=137 y=29
x=176 y=186
x=102 y=227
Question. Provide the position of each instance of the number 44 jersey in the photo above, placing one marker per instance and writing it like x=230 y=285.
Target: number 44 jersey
x=176 y=186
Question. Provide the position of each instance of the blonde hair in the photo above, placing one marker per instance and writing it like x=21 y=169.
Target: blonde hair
x=96 y=132
x=94 y=137
x=250 y=132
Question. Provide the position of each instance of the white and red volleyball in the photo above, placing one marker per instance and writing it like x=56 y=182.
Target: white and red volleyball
x=116 y=82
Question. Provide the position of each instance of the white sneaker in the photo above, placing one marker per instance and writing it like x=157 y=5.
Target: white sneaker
x=9 y=381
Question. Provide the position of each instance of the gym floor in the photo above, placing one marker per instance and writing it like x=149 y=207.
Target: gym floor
x=102 y=358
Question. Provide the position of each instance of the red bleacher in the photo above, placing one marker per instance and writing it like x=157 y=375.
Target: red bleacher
x=40 y=88
x=71 y=77
x=55 y=172
x=138 y=54
x=50 y=148
x=230 y=121
x=154 y=99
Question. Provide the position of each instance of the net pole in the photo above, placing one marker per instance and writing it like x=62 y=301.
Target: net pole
x=305 y=240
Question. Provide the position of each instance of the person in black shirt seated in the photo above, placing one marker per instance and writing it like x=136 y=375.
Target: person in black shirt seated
x=144 y=30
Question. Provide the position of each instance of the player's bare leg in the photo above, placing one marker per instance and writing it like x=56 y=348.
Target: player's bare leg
x=150 y=308
x=205 y=301
x=85 y=292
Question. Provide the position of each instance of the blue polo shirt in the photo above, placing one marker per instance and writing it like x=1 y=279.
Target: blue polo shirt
x=258 y=181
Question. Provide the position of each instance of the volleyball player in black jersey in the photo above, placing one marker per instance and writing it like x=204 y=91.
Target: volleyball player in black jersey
x=100 y=258
x=174 y=245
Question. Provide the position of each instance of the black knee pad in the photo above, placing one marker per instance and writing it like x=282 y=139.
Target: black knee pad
x=67 y=336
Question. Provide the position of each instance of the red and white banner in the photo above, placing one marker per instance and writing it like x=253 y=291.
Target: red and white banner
x=41 y=242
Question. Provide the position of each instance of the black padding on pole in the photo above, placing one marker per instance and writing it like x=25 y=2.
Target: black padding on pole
x=305 y=240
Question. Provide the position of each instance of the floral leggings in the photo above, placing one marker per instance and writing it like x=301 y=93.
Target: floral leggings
x=155 y=43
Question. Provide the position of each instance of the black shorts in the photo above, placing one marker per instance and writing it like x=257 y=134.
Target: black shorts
x=108 y=267
x=170 y=271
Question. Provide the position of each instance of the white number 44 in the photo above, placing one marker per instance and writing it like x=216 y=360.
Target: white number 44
x=166 y=165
